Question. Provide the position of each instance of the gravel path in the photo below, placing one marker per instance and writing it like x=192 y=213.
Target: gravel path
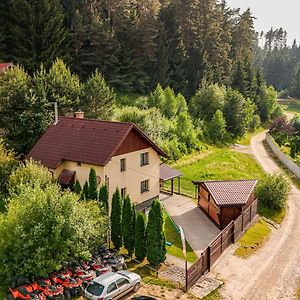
x=274 y=271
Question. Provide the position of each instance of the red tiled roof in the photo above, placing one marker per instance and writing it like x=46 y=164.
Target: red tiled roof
x=4 y=66
x=231 y=192
x=167 y=173
x=87 y=141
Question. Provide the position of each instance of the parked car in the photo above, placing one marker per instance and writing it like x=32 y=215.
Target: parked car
x=112 y=285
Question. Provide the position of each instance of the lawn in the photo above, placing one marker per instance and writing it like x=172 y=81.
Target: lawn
x=292 y=105
x=173 y=236
x=216 y=164
x=253 y=239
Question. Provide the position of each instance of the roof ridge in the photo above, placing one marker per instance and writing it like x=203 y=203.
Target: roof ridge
x=95 y=120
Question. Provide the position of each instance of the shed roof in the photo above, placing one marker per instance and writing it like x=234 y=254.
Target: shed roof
x=229 y=192
x=88 y=141
x=66 y=177
x=167 y=173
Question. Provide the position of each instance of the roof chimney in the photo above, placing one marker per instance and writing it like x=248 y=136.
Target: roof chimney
x=79 y=115
x=55 y=113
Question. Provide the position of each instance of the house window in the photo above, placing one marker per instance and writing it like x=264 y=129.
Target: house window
x=144 y=159
x=123 y=164
x=145 y=186
x=123 y=192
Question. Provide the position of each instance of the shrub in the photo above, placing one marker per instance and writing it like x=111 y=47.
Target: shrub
x=77 y=188
x=104 y=197
x=273 y=191
x=85 y=191
x=93 y=193
x=44 y=228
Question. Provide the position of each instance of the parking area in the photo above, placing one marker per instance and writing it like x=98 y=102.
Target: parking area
x=199 y=230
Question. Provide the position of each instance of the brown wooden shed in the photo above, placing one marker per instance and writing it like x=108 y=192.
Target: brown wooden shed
x=224 y=201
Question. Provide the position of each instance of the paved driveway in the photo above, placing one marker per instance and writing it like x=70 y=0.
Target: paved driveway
x=199 y=230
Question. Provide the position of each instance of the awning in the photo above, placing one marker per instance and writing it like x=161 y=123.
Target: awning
x=66 y=177
x=167 y=173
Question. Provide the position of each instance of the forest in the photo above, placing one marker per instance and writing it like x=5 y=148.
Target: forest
x=280 y=62
x=184 y=71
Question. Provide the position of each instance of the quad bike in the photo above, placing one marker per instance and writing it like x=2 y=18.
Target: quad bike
x=86 y=276
x=52 y=292
x=26 y=292
x=72 y=286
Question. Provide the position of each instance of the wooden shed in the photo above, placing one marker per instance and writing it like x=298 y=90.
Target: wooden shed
x=224 y=201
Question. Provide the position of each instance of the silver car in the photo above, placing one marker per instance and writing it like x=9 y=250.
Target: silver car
x=112 y=285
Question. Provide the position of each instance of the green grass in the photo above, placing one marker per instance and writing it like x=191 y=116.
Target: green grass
x=253 y=239
x=148 y=275
x=218 y=164
x=274 y=215
x=246 y=139
x=214 y=295
x=173 y=236
x=292 y=105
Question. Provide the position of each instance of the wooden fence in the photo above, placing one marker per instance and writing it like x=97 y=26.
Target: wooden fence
x=228 y=236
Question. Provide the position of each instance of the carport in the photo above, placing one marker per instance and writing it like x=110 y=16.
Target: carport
x=167 y=177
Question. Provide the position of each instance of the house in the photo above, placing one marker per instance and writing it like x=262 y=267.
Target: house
x=4 y=67
x=224 y=201
x=121 y=154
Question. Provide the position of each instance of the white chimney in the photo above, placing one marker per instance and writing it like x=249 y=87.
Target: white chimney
x=55 y=113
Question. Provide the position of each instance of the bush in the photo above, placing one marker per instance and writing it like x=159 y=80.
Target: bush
x=273 y=191
x=103 y=197
x=44 y=228
x=93 y=193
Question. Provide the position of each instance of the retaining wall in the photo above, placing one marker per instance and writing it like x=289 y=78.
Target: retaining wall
x=288 y=162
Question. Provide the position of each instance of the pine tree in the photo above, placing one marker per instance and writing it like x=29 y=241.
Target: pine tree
x=30 y=37
x=77 y=187
x=140 y=237
x=85 y=191
x=156 y=249
x=116 y=219
x=97 y=98
x=128 y=222
x=104 y=197
x=93 y=192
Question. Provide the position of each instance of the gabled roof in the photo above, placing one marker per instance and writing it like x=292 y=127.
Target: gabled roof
x=88 y=141
x=229 y=192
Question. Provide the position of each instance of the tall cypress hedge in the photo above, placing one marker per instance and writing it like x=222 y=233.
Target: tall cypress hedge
x=116 y=219
x=128 y=225
x=140 y=237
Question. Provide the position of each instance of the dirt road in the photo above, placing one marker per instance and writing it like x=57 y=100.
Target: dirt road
x=274 y=271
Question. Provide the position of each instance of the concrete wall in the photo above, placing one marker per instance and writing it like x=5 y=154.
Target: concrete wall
x=288 y=162
x=130 y=179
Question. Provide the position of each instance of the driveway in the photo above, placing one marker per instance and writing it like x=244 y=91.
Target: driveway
x=199 y=230
x=274 y=271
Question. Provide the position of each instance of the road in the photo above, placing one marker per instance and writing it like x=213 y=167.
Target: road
x=273 y=272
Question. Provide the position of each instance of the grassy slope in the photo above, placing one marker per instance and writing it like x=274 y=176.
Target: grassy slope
x=173 y=236
x=253 y=239
x=218 y=164
x=292 y=106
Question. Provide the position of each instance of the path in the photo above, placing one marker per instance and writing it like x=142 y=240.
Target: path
x=274 y=271
x=198 y=229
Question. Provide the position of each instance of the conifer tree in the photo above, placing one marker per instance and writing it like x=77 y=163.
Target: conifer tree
x=128 y=222
x=30 y=36
x=104 y=197
x=85 y=191
x=140 y=237
x=217 y=127
x=156 y=248
x=93 y=192
x=116 y=219
x=77 y=187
